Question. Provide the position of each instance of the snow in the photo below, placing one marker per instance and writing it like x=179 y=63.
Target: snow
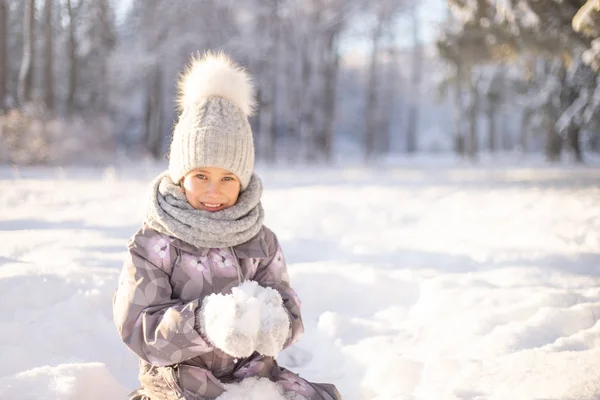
x=418 y=280
x=90 y=381
x=592 y=54
x=585 y=15
x=257 y=389
x=251 y=318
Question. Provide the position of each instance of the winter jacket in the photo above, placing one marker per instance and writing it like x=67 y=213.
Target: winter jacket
x=161 y=286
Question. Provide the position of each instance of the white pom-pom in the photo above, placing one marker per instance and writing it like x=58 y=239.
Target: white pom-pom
x=216 y=75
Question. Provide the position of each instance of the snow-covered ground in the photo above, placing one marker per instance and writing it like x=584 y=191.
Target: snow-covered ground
x=433 y=282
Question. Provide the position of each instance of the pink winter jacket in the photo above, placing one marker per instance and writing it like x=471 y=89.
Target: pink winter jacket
x=160 y=288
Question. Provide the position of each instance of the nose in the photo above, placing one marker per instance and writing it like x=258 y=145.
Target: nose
x=213 y=188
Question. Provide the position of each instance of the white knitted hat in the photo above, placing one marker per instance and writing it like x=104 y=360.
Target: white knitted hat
x=216 y=97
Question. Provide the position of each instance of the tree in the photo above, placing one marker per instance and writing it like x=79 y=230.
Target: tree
x=389 y=93
x=72 y=60
x=329 y=69
x=310 y=64
x=469 y=40
x=49 y=56
x=3 y=53
x=291 y=48
x=417 y=67
x=460 y=47
x=591 y=116
x=97 y=31
x=523 y=85
x=372 y=106
x=268 y=26
x=555 y=38
x=542 y=30
x=384 y=13
x=580 y=84
x=154 y=114
x=587 y=23
x=586 y=19
x=473 y=113
x=150 y=39
x=550 y=104
x=494 y=92
x=26 y=71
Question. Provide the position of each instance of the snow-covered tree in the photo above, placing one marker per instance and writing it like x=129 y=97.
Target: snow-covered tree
x=310 y=53
x=586 y=22
x=384 y=16
x=578 y=89
x=464 y=45
x=48 y=55
x=81 y=66
x=591 y=118
x=95 y=42
x=72 y=59
x=417 y=75
x=26 y=72
x=493 y=88
x=488 y=32
x=3 y=53
x=290 y=47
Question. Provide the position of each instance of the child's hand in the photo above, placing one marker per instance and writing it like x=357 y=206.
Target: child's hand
x=251 y=318
x=274 y=323
x=229 y=325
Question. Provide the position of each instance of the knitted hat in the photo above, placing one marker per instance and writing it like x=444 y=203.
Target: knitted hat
x=216 y=97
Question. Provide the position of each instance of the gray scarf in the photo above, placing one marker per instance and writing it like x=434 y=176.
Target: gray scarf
x=170 y=213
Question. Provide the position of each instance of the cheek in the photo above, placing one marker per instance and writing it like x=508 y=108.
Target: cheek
x=233 y=193
x=191 y=198
x=192 y=186
x=186 y=184
x=192 y=190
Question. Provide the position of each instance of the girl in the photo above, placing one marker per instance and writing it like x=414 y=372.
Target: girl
x=204 y=297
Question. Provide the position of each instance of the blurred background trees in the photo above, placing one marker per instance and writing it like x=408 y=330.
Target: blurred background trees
x=531 y=57
x=90 y=80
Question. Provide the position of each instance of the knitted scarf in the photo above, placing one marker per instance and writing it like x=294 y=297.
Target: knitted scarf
x=170 y=213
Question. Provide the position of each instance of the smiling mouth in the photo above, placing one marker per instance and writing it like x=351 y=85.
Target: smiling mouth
x=212 y=206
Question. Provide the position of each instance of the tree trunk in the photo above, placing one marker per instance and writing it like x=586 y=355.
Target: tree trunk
x=459 y=134
x=332 y=61
x=417 y=72
x=473 y=114
x=573 y=141
x=594 y=144
x=506 y=141
x=491 y=116
x=26 y=71
x=371 y=122
x=307 y=125
x=266 y=128
x=72 y=82
x=387 y=100
x=3 y=53
x=293 y=91
x=49 y=56
x=524 y=134
x=105 y=18
x=154 y=115
x=272 y=133
x=268 y=70
x=553 y=143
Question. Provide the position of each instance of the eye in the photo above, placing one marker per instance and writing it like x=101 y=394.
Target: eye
x=228 y=178
x=201 y=176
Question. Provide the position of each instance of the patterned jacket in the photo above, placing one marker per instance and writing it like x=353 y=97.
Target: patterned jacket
x=161 y=286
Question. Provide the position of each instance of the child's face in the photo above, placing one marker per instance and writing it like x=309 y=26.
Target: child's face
x=211 y=188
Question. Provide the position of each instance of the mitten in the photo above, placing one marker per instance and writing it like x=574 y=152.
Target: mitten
x=229 y=324
x=274 y=322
